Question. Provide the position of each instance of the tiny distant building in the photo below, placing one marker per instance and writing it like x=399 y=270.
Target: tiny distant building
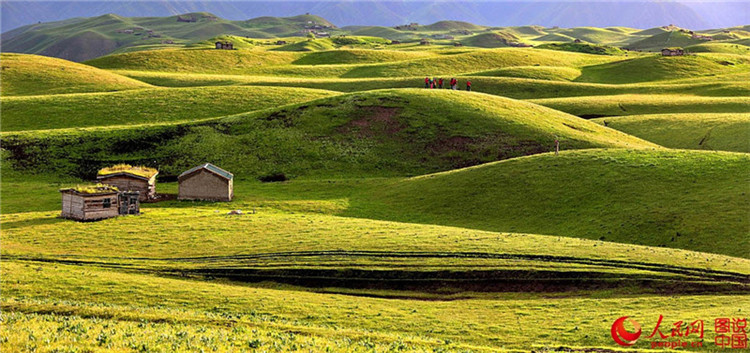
x=458 y=44
x=577 y=41
x=424 y=42
x=395 y=42
x=206 y=182
x=128 y=178
x=672 y=52
x=224 y=45
x=280 y=42
x=90 y=203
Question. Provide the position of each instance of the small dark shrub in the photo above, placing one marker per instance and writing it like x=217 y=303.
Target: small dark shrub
x=273 y=177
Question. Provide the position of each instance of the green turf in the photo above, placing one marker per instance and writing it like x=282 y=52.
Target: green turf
x=600 y=106
x=32 y=75
x=138 y=311
x=391 y=132
x=540 y=86
x=720 y=132
x=583 y=48
x=144 y=106
x=679 y=199
x=658 y=68
x=553 y=73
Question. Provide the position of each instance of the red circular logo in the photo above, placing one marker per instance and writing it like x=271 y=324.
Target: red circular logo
x=621 y=335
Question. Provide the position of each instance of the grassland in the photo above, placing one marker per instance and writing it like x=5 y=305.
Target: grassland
x=382 y=239
x=720 y=132
x=266 y=317
x=657 y=68
x=678 y=199
x=144 y=106
x=375 y=133
x=34 y=74
x=604 y=106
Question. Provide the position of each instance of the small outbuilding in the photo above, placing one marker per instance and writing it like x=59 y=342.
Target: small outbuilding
x=206 y=182
x=128 y=178
x=225 y=45
x=95 y=202
x=672 y=52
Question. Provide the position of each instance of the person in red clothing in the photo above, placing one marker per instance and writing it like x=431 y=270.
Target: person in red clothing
x=468 y=85
x=454 y=82
x=440 y=83
x=426 y=82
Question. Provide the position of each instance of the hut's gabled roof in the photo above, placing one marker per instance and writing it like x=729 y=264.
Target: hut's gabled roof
x=211 y=168
x=139 y=171
x=98 y=189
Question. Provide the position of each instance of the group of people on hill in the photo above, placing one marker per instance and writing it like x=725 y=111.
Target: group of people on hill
x=438 y=83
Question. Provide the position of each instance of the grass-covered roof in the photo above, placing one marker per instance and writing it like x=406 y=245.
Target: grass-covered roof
x=92 y=189
x=140 y=171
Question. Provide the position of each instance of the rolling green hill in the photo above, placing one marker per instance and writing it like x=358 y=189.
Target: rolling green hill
x=144 y=106
x=583 y=48
x=195 y=60
x=490 y=40
x=359 y=56
x=90 y=38
x=656 y=68
x=594 y=35
x=722 y=132
x=382 y=32
x=452 y=26
x=309 y=45
x=33 y=74
x=727 y=48
x=678 y=199
x=556 y=73
x=541 y=86
x=631 y=104
x=665 y=40
x=474 y=61
x=376 y=133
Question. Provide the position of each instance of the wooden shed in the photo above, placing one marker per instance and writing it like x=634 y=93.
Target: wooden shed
x=89 y=203
x=206 y=182
x=128 y=178
x=672 y=52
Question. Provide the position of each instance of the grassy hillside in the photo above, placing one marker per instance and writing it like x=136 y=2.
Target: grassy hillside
x=722 y=132
x=32 y=75
x=555 y=73
x=583 y=48
x=280 y=63
x=665 y=40
x=656 y=68
x=540 y=86
x=594 y=35
x=137 y=307
x=391 y=132
x=473 y=61
x=359 y=56
x=452 y=26
x=490 y=40
x=90 y=38
x=145 y=106
x=196 y=60
x=601 y=106
x=382 y=32
x=309 y=45
x=679 y=199
x=727 y=48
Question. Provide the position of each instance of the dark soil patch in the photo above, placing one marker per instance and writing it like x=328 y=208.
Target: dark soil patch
x=374 y=121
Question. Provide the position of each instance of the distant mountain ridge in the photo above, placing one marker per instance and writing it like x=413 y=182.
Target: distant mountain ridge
x=81 y=39
x=597 y=13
